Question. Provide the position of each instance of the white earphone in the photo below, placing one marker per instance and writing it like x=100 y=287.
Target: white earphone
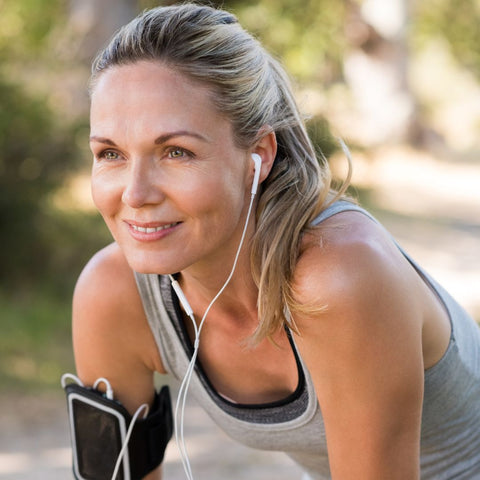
x=257 y=159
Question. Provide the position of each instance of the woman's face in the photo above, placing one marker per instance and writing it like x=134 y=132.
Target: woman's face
x=167 y=177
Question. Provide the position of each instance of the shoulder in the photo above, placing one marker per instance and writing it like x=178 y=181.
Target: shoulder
x=350 y=265
x=107 y=283
x=111 y=334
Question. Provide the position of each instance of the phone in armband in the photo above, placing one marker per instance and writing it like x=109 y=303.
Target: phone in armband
x=103 y=433
x=98 y=429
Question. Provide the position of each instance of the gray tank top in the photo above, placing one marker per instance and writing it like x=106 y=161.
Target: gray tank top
x=450 y=435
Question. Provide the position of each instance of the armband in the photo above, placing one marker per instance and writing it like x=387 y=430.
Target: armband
x=98 y=431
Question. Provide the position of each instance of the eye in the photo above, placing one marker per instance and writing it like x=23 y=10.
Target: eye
x=179 y=153
x=176 y=152
x=109 y=155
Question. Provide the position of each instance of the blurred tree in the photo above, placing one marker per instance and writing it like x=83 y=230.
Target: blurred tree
x=91 y=23
x=36 y=149
x=457 y=21
x=25 y=26
x=376 y=65
x=35 y=156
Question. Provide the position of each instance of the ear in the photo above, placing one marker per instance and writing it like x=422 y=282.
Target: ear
x=266 y=147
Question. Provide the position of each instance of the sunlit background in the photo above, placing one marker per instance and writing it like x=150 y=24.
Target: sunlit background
x=398 y=80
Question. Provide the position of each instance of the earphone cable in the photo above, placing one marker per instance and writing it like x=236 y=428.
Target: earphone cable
x=144 y=406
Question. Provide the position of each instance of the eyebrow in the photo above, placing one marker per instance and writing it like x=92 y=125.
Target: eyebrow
x=95 y=138
x=158 y=141
x=182 y=133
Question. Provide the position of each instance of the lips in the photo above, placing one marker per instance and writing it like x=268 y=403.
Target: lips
x=152 y=231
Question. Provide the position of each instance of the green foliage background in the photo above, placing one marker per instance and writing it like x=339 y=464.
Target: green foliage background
x=455 y=21
x=42 y=247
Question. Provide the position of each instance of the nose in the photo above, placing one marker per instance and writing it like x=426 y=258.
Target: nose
x=142 y=186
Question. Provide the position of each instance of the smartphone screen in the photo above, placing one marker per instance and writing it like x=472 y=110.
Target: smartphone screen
x=98 y=434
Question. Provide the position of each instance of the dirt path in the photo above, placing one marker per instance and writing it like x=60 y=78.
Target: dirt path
x=432 y=208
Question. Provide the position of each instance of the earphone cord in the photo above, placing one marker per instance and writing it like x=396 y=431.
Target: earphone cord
x=144 y=406
x=182 y=394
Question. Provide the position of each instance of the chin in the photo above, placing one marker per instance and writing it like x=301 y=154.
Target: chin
x=145 y=264
x=153 y=270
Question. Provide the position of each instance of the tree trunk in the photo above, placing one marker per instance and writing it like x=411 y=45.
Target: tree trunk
x=376 y=70
x=94 y=21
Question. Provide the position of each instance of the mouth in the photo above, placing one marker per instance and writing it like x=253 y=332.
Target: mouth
x=138 y=228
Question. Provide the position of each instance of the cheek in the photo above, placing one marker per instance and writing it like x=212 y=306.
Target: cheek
x=217 y=194
x=105 y=194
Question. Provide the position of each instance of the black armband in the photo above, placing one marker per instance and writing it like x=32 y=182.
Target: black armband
x=98 y=429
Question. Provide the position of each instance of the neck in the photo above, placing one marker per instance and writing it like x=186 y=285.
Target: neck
x=240 y=294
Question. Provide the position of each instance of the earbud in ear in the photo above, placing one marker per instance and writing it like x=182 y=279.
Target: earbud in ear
x=257 y=159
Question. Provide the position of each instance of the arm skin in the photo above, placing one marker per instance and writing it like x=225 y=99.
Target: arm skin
x=364 y=351
x=111 y=336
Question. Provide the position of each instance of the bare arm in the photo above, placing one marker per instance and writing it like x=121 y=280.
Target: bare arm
x=111 y=336
x=365 y=356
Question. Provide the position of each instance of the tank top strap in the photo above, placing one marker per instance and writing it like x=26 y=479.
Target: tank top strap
x=338 y=207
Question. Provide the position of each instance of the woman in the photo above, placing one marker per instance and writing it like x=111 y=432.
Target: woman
x=328 y=342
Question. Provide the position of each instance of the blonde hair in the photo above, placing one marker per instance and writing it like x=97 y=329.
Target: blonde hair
x=253 y=91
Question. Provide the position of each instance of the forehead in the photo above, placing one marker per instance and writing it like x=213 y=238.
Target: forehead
x=145 y=79
x=151 y=91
